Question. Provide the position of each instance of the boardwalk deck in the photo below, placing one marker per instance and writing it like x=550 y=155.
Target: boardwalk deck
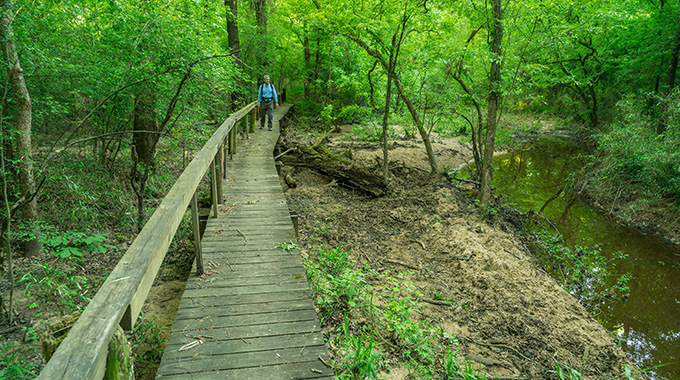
x=252 y=307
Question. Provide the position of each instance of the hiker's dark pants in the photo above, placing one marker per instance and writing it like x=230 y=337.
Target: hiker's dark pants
x=267 y=108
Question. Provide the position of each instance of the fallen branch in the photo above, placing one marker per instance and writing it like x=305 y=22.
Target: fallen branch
x=436 y=302
x=284 y=153
x=467 y=181
x=402 y=264
x=418 y=241
x=512 y=254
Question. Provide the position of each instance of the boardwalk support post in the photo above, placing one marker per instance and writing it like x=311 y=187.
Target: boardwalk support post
x=223 y=162
x=220 y=170
x=213 y=186
x=119 y=359
x=197 y=235
x=232 y=142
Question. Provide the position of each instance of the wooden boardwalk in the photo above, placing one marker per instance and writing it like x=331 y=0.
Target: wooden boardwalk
x=252 y=308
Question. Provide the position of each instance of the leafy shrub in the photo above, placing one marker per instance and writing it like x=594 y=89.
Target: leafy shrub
x=64 y=244
x=334 y=282
x=631 y=150
x=354 y=114
x=582 y=271
x=308 y=107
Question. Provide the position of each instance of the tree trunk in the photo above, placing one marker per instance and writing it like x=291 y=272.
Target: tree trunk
x=419 y=124
x=23 y=123
x=234 y=43
x=670 y=79
x=145 y=137
x=261 y=17
x=261 y=13
x=402 y=93
x=494 y=100
x=673 y=65
x=388 y=95
x=308 y=66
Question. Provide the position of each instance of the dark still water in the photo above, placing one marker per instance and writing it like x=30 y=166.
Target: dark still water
x=647 y=322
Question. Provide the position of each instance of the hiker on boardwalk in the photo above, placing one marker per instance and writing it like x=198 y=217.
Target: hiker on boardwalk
x=266 y=98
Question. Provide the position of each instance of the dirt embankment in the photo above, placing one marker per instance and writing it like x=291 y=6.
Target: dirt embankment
x=516 y=321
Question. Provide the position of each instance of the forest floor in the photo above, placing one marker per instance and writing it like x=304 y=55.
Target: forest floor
x=510 y=318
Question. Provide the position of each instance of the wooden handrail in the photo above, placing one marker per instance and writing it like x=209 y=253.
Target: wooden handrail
x=82 y=354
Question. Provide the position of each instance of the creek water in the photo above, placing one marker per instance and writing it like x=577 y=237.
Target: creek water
x=647 y=322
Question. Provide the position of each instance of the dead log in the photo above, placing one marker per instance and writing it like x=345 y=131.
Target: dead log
x=337 y=167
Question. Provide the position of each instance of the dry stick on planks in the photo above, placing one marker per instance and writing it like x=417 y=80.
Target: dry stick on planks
x=245 y=239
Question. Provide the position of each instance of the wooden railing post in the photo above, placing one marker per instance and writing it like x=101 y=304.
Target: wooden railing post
x=220 y=170
x=213 y=186
x=232 y=137
x=252 y=120
x=224 y=159
x=245 y=123
x=197 y=234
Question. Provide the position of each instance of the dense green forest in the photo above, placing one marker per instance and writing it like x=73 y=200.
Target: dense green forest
x=99 y=96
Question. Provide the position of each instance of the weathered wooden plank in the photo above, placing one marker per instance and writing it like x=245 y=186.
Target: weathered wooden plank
x=251 y=279
x=249 y=290
x=214 y=268
x=265 y=307
x=238 y=230
x=244 y=360
x=236 y=257
x=253 y=245
x=249 y=309
x=250 y=332
x=235 y=346
x=293 y=268
x=260 y=238
x=209 y=322
x=247 y=250
x=210 y=300
x=297 y=371
x=246 y=225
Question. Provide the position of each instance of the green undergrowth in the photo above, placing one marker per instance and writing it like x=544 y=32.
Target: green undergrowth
x=631 y=151
x=582 y=271
x=372 y=318
x=88 y=221
x=12 y=363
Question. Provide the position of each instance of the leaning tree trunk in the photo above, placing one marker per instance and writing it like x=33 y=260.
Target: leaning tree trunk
x=402 y=93
x=24 y=152
x=419 y=124
x=494 y=100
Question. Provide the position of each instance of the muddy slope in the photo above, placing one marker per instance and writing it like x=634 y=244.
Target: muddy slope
x=514 y=319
